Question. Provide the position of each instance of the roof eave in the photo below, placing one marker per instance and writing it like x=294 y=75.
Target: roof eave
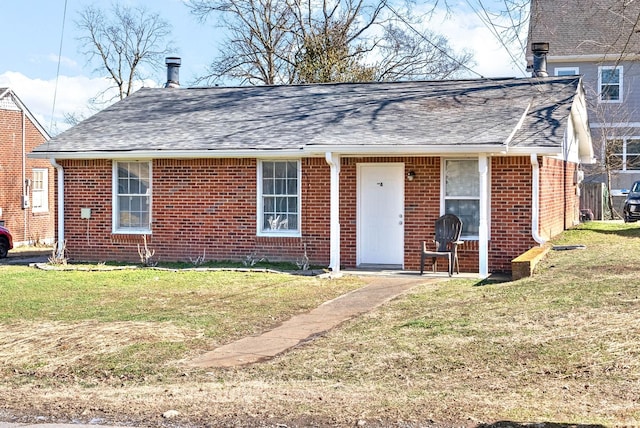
x=309 y=151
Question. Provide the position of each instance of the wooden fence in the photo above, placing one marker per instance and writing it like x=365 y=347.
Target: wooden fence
x=592 y=197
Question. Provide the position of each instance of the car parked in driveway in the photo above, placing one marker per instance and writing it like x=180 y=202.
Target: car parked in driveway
x=6 y=242
x=631 y=210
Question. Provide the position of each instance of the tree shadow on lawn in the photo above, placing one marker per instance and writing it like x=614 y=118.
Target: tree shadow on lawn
x=510 y=424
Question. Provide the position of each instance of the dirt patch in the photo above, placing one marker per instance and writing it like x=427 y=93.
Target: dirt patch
x=51 y=345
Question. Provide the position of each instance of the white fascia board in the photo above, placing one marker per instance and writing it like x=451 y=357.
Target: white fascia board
x=399 y=150
x=170 y=154
x=312 y=151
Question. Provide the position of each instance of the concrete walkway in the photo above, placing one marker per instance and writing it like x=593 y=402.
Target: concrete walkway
x=304 y=327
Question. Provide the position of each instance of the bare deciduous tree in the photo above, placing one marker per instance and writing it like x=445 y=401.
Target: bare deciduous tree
x=295 y=41
x=121 y=41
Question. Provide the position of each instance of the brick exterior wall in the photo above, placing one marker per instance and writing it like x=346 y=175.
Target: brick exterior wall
x=199 y=206
x=557 y=214
x=210 y=205
x=26 y=226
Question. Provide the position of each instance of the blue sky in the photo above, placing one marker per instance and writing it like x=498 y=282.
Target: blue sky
x=32 y=29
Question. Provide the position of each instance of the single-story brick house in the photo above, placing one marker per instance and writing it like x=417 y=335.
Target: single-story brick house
x=356 y=173
x=26 y=185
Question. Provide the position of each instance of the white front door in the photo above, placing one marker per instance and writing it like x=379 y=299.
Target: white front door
x=380 y=214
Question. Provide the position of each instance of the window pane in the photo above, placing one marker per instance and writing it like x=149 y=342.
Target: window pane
x=267 y=187
x=280 y=187
x=267 y=169
x=610 y=92
x=292 y=169
x=633 y=161
x=123 y=186
x=292 y=186
x=293 y=205
x=293 y=221
x=269 y=205
x=134 y=186
x=462 y=178
x=610 y=75
x=615 y=161
x=633 y=146
x=468 y=211
x=37 y=199
x=280 y=170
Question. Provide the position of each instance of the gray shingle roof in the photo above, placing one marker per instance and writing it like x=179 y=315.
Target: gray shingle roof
x=585 y=27
x=413 y=114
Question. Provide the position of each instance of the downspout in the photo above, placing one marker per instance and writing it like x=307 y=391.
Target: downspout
x=535 y=200
x=334 y=235
x=25 y=190
x=483 y=232
x=60 y=175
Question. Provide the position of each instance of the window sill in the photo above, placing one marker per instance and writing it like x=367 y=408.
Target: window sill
x=279 y=235
x=131 y=232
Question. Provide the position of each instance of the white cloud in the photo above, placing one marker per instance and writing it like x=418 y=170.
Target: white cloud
x=64 y=61
x=72 y=96
x=465 y=31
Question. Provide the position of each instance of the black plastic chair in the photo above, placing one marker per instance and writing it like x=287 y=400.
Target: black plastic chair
x=447 y=239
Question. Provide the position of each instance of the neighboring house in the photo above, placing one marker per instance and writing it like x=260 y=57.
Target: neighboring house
x=26 y=185
x=599 y=40
x=355 y=173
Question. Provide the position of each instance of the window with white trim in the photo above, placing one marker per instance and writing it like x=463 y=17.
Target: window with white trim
x=624 y=154
x=132 y=197
x=610 y=84
x=40 y=190
x=279 y=197
x=566 y=71
x=462 y=193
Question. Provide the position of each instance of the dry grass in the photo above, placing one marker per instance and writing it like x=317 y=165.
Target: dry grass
x=561 y=347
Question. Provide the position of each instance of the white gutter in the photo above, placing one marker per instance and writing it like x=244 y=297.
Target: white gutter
x=60 y=175
x=535 y=200
x=334 y=235
x=309 y=151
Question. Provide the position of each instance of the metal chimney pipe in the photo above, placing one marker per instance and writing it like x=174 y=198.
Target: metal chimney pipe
x=173 y=71
x=540 y=51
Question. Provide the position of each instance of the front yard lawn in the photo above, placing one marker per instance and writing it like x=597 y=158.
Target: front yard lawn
x=562 y=347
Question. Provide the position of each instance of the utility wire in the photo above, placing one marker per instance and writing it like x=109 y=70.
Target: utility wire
x=55 y=90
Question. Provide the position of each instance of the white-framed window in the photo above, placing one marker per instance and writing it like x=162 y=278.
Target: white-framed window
x=279 y=196
x=40 y=190
x=624 y=154
x=610 y=84
x=461 y=193
x=566 y=71
x=132 y=197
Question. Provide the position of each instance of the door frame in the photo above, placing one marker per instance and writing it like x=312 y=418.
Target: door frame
x=359 y=209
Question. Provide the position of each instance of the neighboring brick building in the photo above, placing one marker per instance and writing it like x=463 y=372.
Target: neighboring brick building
x=355 y=173
x=26 y=185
